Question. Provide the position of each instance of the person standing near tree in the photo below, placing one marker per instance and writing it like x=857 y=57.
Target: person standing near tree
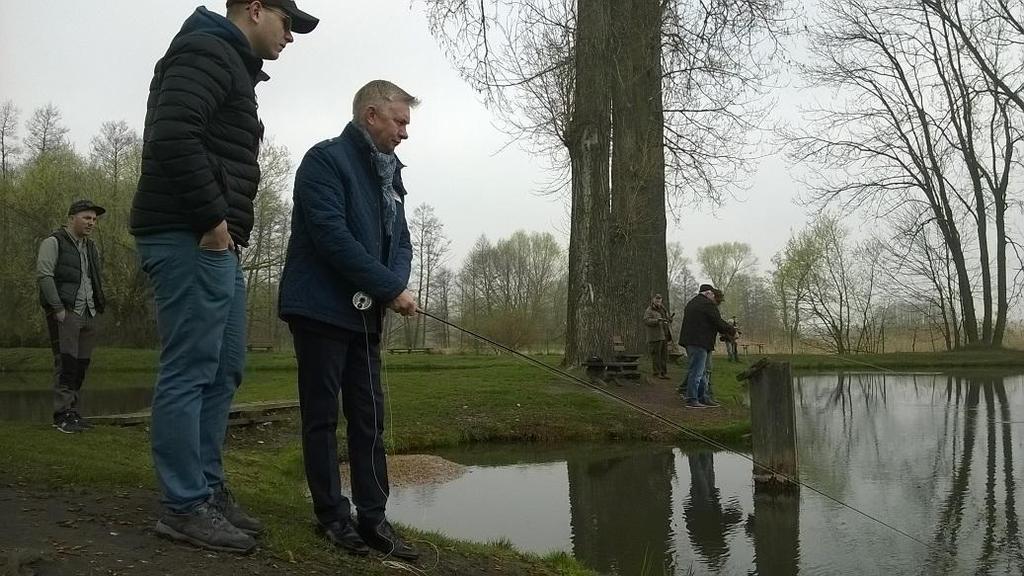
x=191 y=214
x=68 y=270
x=658 y=324
x=730 y=343
x=702 y=322
x=348 y=263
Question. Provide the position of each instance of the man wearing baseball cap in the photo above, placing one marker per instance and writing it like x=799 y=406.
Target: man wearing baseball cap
x=702 y=322
x=71 y=293
x=191 y=214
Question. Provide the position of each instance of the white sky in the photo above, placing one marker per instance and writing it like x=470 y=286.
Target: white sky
x=94 y=61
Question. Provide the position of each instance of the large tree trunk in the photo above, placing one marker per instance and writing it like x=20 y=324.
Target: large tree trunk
x=638 y=255
x=1001 y=304
x=588 y=139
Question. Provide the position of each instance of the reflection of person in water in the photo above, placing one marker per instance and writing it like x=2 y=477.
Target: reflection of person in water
x=621 y=506
x=707 y=522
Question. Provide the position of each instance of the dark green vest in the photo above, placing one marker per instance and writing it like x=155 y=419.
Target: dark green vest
x=67 y=272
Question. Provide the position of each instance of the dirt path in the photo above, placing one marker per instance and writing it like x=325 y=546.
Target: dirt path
x=660 y=396
x=78 y=532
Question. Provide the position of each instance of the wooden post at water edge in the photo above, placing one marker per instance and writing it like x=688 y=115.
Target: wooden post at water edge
x=772 y=422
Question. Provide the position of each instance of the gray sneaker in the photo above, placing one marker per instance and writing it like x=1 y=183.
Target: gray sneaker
x=226 y=504
x=205 y=527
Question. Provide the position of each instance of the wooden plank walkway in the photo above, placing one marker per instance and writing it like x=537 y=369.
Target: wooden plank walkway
x=241 y=414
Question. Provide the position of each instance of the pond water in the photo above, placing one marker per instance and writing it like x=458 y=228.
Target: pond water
x=939 y=457
x=28 y=396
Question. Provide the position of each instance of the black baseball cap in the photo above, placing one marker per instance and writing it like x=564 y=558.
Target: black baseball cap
x=83 y=205
x=302 y=23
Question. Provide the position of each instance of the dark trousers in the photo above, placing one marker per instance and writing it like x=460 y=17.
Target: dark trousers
x=349 y=363
x=72 y=342
x=659 y=357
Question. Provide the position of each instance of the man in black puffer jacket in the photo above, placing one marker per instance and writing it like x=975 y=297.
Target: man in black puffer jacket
x=192 y=211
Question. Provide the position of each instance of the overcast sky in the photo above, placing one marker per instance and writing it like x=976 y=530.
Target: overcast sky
x=94 y=61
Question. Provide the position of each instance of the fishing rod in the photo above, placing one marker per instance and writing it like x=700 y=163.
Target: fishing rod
x=681 y=428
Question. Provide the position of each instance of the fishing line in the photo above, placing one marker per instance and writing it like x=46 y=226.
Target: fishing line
x=363 y=303
x=687 y=431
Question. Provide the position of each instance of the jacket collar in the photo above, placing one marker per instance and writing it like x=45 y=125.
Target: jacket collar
x=357 y=136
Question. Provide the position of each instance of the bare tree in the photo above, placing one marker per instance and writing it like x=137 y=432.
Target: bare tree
x=430 y=248
x=721 y=263
x=568 y=76
x=9 y=149
x=791 y=282
x=917 y=124
x=681 y=282
x=114 y=151
x=263 y=258
x=45 y=133
x=509 y=288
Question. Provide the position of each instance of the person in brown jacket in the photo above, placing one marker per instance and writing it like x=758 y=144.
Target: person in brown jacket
x=658 y=323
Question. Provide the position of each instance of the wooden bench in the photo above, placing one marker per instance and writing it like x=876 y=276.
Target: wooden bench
x=746 y=345
x=262 y=344
x=597 y=367
x=624 y=364
x=239 y=415
x=410 y=350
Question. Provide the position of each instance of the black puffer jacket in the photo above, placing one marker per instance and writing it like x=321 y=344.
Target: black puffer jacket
x=702 y=321
x=202 y=133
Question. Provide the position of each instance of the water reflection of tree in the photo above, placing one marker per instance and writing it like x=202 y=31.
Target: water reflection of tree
x=951 y=515
x=621 y=511
x=707 y=522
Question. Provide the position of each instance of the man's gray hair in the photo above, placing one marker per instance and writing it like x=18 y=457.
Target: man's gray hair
x=378 y=92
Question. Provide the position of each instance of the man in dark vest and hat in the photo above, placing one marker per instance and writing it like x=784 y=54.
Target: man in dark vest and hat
x=71 y=292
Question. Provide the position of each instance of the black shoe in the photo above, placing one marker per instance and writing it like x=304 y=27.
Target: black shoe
x=694 y=404
x=385 y=540
x=342 y=534
x=226 y=504
x=710 y=403
x=81 y=422
x=205 y=527
x=67 y=424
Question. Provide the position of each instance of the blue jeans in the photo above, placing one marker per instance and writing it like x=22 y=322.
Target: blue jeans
x=697 y=386
x=200 y=313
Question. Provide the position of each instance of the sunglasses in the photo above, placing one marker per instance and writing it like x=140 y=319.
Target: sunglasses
x=285 y=19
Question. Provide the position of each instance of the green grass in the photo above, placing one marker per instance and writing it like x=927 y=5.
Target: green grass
x=433 y=400
x=267 y=478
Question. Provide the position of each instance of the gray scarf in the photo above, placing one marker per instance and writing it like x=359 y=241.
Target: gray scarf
x=385 y=165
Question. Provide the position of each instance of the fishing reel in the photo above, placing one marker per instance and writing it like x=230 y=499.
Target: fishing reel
x=362 y=301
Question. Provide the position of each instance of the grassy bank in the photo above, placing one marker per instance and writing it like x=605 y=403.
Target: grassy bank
x=434 y=401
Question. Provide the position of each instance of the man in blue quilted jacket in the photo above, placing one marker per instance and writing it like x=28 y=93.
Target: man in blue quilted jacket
x=191 y=214
x=348 y=262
